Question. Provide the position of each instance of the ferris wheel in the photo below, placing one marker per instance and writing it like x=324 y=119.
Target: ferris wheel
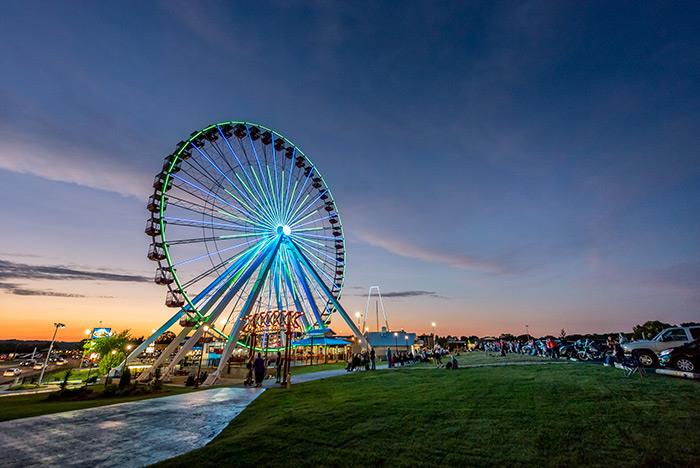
x=242 y=222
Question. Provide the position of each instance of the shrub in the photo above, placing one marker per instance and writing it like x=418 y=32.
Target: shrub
x=125 y=379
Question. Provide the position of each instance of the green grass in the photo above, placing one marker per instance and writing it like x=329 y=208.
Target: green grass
x=478 y=358
x=316 y=368
x=24 y=406
x=554 y=415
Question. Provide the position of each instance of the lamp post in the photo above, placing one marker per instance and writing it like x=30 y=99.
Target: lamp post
x=433 y=324
x=201 y=355
x=405 y=338
x=57 y=325
x=396 y=340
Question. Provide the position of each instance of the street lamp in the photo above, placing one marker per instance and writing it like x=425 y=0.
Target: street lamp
x=433 y=324
x=396 y=340
x=357 y=317
x=405 y=337
x=201 y=355
x=46 y=361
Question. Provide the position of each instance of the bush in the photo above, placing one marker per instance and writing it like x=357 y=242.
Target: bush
x=156 y=384
x=74 y=394
x=125 y=379
x=64 y=382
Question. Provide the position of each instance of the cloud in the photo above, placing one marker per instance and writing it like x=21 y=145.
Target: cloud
x=20 y=291
x=451 y=259
x=411 y=294
x=59 y=161
x=12 y=270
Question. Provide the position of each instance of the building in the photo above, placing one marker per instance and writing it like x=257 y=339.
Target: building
x=396 y=340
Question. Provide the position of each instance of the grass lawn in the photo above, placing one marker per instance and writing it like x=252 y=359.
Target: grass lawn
x=477 y=358
x=554 y=415
x=316 y=368
x=14 y=407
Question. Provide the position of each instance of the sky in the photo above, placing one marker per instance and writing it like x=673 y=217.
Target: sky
x=495 y=164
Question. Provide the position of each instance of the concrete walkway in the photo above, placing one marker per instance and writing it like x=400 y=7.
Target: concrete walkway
x=126 y=434
x=130 y=434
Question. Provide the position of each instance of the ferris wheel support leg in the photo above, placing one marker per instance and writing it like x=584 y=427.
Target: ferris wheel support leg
x=154 y=336
x=238 y=326
x=269 y=252
x=305 y=262
x=146 y=374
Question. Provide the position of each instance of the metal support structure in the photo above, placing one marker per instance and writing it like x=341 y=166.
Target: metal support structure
x=238 y=325
x=240 y=282
x=381 y=302
x=166 y=326
x=307 y=265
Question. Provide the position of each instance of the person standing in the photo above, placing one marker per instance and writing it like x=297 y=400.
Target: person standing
x=278 y=367
x=388 y=357
x=259 y=370
x=373 y=359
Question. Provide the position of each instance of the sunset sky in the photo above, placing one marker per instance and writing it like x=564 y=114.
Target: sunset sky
x=495 y=164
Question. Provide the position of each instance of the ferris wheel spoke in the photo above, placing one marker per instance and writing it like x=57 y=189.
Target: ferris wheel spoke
x=172 y=220
x=315 y=236
x=289 y=182
x=299 y=194
x=269 y=215
x=210 y=159
x=241 y=165
x=308 y=206
x=207 y=192
x=262 y=174
x=292 y=279
x=209 y=255
x=261 y=193
x=322 y=252
x=313 y=221
x=235 y=259
x=322 y=264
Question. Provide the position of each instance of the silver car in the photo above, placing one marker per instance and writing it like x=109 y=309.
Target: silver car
x=647 y=350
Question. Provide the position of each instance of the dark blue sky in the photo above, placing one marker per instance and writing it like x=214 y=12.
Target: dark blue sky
x=516 y=162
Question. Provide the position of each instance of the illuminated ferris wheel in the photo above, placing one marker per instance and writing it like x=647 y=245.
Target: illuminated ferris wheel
x=243 y=223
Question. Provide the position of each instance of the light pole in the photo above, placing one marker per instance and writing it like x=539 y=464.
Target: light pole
x=357 y=317
x=46 y=361
x=527 y=331
x=405 y=338
x=396 y=341
x=201 y=355
x=433 y=324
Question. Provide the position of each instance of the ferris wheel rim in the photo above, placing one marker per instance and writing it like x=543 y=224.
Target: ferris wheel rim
x=190 y=306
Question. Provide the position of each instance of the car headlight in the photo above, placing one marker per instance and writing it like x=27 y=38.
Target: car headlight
x=665 y=352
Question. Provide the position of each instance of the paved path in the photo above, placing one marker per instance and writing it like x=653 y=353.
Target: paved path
x=127 y=434
x=130 y=434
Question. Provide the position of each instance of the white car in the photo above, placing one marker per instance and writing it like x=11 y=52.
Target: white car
x=12 y=372
x=38 y=366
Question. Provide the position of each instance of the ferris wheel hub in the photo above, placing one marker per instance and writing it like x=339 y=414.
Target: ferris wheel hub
x=286 y=230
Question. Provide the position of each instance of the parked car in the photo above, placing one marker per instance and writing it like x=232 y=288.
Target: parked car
x=685 y=358
x=646 y=350
x=11 y=372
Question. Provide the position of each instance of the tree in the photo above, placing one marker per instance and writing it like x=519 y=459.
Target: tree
x=562 y=334
x=649 y=329
x=166 y=338
x=112 y=349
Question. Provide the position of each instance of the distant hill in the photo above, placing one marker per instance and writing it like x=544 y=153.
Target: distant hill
x=26 y=346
